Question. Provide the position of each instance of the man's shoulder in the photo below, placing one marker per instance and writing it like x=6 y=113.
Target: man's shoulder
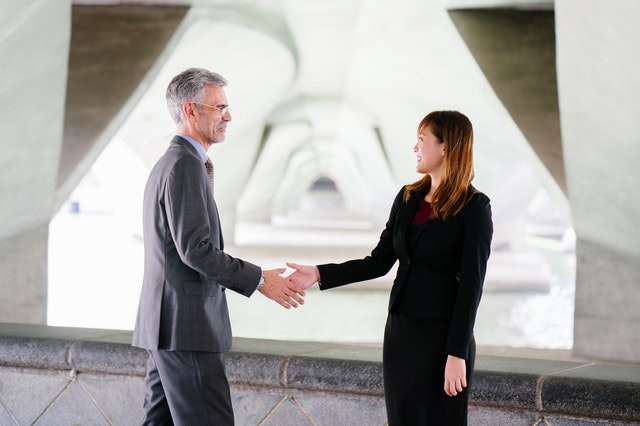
x=179 y=155
x=179 y=150
x=180 y=146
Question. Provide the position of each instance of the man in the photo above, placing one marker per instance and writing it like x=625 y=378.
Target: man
x=183 y=320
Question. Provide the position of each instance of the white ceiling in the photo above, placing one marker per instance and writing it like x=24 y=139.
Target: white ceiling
x=342 y=85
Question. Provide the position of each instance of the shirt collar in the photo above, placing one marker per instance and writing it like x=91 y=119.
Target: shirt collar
x=201 y=152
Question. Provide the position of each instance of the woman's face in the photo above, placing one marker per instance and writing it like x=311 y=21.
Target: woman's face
x=429 y=152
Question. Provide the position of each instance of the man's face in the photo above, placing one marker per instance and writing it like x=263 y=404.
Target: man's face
x=212 y=116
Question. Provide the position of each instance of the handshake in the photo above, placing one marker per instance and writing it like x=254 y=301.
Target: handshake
x=289 y=291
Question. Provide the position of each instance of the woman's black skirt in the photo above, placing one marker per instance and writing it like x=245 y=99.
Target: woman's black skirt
x=413 y=363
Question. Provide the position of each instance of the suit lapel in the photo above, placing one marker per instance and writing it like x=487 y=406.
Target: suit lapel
x=182 y=143
x=404 y=221
x=421 y=230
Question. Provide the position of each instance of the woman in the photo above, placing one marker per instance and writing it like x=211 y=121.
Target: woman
x=439 y=230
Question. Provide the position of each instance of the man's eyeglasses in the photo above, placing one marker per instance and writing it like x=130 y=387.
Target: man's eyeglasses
x=223 y=109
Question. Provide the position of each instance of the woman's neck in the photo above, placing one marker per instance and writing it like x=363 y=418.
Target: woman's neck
x=435 y=182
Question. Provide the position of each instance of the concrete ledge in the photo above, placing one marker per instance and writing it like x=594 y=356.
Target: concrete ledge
x=564 y=385
x=532 y=386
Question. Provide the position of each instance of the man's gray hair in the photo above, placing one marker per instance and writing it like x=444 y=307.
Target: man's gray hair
x=189 y=85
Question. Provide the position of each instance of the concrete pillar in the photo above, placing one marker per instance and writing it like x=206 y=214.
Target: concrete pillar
x=598 y=85
x=23 y=279
x=34 y=44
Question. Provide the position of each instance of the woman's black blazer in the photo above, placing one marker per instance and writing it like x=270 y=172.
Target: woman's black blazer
x=442 y=273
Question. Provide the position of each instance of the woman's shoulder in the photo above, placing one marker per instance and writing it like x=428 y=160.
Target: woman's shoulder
x=480 y=197
x=399 y=202
x=478 y=200
x=400 y=195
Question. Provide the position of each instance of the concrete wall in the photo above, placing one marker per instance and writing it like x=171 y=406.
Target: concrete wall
x=33 y=75
x=59 y=376
x=599 y=82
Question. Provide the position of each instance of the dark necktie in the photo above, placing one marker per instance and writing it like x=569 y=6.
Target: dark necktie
x=209 y=165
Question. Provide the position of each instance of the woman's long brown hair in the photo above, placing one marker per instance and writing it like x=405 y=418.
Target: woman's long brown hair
x=454 y=130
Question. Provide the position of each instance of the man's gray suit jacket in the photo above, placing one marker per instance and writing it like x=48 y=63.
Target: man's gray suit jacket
x=183 y=305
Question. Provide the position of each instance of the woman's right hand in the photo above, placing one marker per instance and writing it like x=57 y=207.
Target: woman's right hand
x=455 y=375
x=304 y=276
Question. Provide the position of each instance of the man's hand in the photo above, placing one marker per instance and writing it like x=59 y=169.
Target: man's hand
x=280 y=290
x=305 y=275
x=455 y=375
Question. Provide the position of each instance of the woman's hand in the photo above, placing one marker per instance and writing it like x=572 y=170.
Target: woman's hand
x=304 y=276
x=455 y=375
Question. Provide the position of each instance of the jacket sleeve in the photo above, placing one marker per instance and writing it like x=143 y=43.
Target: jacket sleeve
x=377 y=264
x=477 y=234
x=189 y=220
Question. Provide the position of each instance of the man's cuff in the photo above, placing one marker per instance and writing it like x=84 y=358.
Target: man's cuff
x=261 y=282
